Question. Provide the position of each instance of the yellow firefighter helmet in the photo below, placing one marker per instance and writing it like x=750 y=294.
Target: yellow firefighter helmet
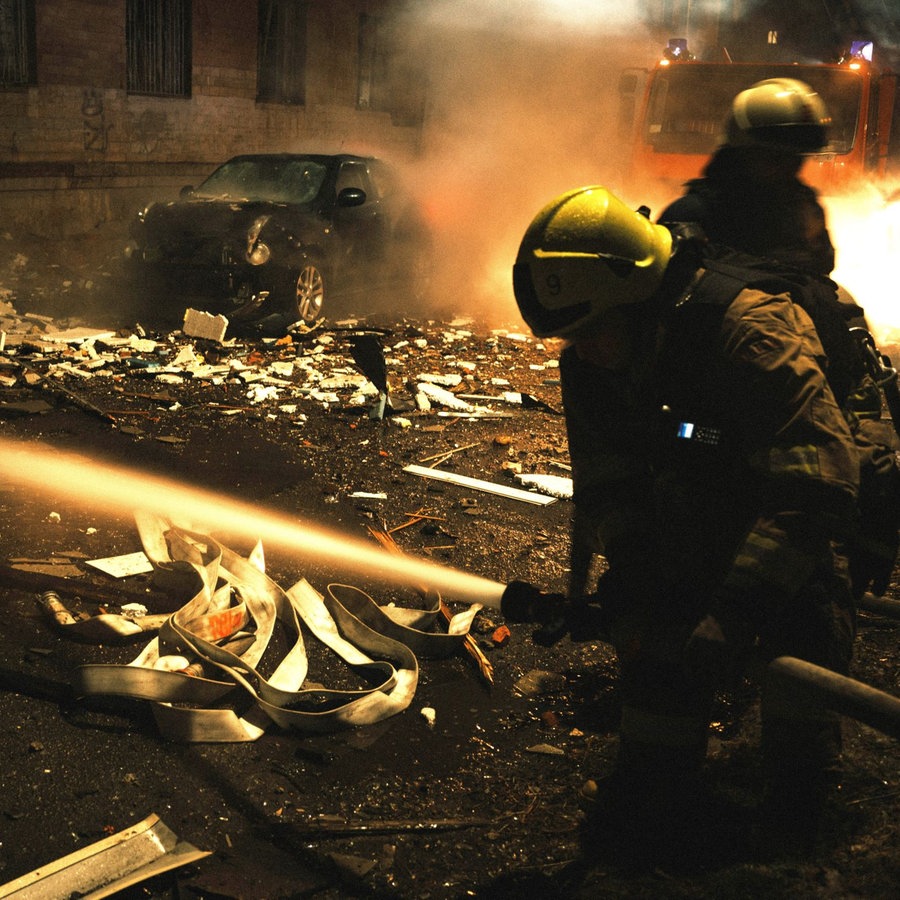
x=779 y=112
x=585 y=253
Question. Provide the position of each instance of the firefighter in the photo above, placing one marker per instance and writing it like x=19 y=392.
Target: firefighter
x=750 y=196
x=716 y=474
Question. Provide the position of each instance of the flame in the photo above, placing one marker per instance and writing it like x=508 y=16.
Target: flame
x=865 y=230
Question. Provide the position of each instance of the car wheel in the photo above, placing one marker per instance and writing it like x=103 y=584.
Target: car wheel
x=306 y=291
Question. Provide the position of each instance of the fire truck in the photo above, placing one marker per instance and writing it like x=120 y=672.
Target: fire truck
x=685 y=102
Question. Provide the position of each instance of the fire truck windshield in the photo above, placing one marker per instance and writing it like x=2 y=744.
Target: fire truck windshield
x=688 y=102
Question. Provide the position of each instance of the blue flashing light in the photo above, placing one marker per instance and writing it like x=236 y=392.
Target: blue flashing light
x=862 y=50
x=677 y=49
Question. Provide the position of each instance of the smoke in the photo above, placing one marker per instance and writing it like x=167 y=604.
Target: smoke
x=522 y=104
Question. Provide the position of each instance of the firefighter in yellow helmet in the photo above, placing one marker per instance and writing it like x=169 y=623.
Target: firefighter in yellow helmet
x=715 y=472
x=750 y=195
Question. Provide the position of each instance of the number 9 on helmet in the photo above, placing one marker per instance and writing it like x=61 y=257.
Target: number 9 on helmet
x=585 y=253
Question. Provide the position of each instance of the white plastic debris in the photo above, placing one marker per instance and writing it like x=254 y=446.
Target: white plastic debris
x=123 y=565
x=343 y=382
x=133 y=611
x=443 y=380
x=282 y=368
x=429 y=714
x=330 y=398
x=186 y=357
x=551 y=485
x=64 y=368
x=480 y=485
x=142 y=345
x=261 y=392
x=443 y=397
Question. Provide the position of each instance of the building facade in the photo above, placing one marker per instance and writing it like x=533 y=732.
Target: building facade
x=106 y=103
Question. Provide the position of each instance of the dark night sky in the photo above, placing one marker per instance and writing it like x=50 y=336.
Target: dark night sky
x=823 y=28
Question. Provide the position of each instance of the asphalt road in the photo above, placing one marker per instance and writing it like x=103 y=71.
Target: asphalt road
x=482 y=803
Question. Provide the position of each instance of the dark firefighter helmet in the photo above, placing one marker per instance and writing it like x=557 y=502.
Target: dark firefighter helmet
x=583 y=254
x=778 y=112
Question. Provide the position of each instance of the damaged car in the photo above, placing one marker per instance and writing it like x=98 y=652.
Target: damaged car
x=280 y=235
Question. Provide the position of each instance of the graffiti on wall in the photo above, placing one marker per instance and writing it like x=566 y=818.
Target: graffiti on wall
x=149 y=129
x=96 y=131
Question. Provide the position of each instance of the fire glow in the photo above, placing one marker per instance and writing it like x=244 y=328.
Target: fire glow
x=865 y=229
x=120 y=490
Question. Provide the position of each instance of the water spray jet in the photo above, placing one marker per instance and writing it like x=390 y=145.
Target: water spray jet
x=122 y=490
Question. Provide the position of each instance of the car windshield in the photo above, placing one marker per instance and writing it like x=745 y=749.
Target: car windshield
x=689 y=103
x=276 y=180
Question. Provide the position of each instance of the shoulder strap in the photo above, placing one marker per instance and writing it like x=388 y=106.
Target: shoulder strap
x=729 y=272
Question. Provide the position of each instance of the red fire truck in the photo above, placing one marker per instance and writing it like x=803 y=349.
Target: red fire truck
x=685 y=102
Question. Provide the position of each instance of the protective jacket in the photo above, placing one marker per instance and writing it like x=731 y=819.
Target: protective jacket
x=781 y=219
x=715 y=474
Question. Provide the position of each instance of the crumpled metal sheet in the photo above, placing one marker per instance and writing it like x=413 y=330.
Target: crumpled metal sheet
x=106 y=867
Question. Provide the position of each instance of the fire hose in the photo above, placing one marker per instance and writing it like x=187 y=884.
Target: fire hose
x=210 y=676
x=840 y=693
x=214 y=672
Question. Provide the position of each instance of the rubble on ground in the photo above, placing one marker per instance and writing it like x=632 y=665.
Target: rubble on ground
x=434 y=371
x=473 y=790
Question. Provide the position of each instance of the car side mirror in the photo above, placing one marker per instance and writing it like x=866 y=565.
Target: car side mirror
x=186 y=191
x=351 y=197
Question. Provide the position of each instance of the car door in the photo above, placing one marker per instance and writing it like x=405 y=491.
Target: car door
x=360 y=227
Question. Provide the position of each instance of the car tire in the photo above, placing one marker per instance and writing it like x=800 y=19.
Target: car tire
x=304 y=291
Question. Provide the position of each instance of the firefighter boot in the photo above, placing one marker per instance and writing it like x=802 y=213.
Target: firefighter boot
x=803 y=775
x=646 y=813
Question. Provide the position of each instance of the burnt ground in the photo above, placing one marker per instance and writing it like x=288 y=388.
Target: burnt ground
x=484 y=803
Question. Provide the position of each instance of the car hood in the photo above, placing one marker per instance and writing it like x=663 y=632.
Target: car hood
x=213 y=218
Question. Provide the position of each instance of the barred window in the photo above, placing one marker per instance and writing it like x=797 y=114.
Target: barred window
x=370 y=65
x=281 y=54
x=158 y=47
x=390 y=79
x=17 y=47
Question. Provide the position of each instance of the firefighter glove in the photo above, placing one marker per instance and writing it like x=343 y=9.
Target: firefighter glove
x=523 y=602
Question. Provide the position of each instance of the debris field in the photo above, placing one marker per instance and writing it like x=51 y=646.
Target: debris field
x=468 y=791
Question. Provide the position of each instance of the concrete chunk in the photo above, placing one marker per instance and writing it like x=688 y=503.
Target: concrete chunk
x=201 y=324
